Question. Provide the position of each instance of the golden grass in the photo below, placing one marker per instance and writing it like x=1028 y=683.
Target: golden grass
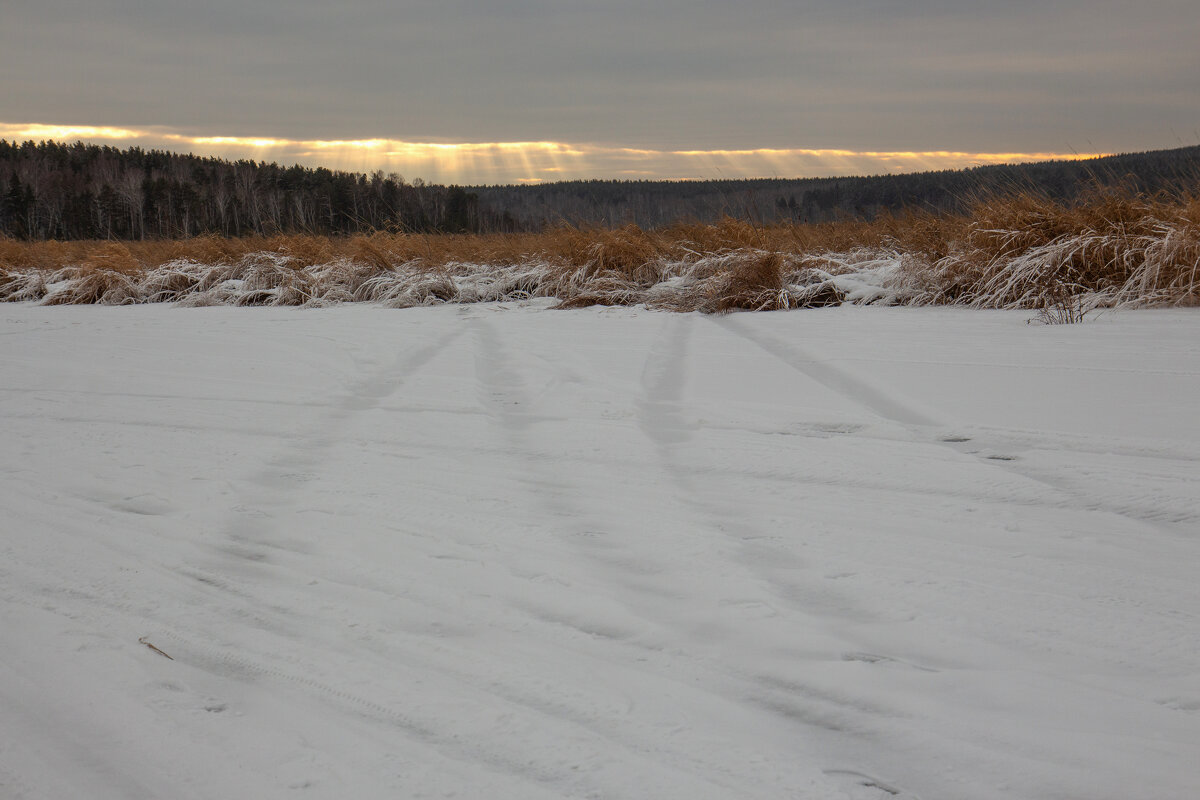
x=1026 y=252
x=1116 y=249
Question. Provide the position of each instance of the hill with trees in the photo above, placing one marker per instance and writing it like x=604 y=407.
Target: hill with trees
x=51 y=190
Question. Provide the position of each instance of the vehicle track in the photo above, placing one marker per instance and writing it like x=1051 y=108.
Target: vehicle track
x=923 y=427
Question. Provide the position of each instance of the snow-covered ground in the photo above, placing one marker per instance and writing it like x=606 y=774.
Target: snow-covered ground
x=498 y=551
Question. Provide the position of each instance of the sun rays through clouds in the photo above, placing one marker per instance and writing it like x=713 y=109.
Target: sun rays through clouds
x=527 y=161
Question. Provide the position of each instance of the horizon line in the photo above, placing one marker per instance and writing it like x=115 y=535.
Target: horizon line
x=531 y=162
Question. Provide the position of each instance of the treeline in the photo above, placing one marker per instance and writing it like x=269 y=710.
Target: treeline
x=652 y=204
x=51 y=190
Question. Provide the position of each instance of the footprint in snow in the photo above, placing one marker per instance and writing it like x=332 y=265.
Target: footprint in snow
x=861 y=786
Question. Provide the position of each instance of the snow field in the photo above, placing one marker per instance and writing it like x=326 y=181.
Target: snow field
x=500 y=551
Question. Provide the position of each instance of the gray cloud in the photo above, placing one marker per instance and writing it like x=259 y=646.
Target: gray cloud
x=882 y=74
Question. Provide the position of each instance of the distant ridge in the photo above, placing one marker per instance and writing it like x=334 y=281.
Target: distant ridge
x=51 y=190
x=766 y=200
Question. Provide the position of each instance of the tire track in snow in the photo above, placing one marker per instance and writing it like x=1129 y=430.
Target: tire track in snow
x=262 y=661
x=503 y=393
x=506 y=395
x=251 y=538
x=833 y=719
x=661 y=419
x=249 y=531
x=924 y=428
x=832 y=377
x=432 y=732
x=617 y=651
x=659 y=769
x=244 y=569
x=1057 y=493
x=663 y=377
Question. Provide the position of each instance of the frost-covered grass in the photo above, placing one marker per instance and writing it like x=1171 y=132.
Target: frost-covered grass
x=1118 y=250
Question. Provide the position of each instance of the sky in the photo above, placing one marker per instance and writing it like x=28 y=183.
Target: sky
x=536 y=90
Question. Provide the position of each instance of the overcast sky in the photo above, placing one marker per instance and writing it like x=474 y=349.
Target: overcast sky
x=882 y=76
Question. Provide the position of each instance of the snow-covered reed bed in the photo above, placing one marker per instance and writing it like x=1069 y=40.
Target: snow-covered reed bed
x=1025 y=253
x=1010 y=253
x=746 y=279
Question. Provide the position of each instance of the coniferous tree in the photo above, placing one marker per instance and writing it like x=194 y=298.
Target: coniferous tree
x=50 y=189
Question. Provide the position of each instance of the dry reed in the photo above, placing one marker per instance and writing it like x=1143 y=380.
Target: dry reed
x=1117 y=249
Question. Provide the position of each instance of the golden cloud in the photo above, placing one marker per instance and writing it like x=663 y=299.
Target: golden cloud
x=533 y=161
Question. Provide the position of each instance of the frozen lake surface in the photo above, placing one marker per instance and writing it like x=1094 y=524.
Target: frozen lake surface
x=498 y=551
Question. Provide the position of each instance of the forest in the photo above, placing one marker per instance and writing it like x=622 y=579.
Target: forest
x=58 y=191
